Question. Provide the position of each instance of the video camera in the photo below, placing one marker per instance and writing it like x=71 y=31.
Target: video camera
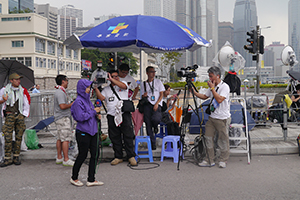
x=188 y=72
x=99 y=77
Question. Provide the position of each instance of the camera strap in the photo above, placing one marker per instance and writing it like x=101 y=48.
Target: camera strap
x=152 y=88
x=113 y=89
x=213 y=97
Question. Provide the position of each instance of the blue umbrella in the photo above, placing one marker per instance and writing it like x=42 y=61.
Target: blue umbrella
x=152 y=34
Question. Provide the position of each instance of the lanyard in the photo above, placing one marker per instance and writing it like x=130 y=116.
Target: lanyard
x=152 y=88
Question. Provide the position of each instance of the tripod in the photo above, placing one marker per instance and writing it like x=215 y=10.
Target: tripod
x=188 y=86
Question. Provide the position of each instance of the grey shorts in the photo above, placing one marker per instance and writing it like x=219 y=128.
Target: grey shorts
x=64 y=131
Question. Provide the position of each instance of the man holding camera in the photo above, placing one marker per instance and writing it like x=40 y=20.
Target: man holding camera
x=120 y=128
x=219 y=118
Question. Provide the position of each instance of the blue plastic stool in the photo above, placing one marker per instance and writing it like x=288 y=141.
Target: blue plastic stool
x=163 y=131
x=171 y=152
x=143 y=154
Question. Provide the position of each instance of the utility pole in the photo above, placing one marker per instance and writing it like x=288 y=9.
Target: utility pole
x=257 y=61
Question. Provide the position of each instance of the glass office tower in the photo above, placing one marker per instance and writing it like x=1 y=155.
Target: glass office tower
x=20 y=5
x=244 y=20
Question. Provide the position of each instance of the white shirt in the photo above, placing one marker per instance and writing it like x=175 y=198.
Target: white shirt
x=110 y=98
x=157 y=88
x=223 y=111
x=130 y=81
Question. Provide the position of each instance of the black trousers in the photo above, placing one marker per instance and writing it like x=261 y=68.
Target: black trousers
x=152 y=119
x=117 y=135
x=85 y=143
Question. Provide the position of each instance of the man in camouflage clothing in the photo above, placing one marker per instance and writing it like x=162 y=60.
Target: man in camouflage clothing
x=15 y=102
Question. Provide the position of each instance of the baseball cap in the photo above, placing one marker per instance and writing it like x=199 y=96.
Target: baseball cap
x=14 y=76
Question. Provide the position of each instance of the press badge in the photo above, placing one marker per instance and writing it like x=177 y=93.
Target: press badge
x=111 y=98
x=152 y=98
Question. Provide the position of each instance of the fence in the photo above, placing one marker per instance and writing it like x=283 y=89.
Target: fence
x=42 y=107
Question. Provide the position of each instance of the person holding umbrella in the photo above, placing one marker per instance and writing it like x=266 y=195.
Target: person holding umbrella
x=15 y=102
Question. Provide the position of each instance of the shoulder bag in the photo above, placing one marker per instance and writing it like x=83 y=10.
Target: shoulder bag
x=127 y=104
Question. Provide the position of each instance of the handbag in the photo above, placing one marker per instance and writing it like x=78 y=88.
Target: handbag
x=128 y=105
x=142 y=102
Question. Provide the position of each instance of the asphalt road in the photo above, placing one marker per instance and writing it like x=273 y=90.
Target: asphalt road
x=267 y=177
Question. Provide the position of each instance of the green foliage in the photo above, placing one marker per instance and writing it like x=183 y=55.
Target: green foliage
x=271 y=86
x=180 y=85
x=169 y=59
x=95 y=55
x=15 y=10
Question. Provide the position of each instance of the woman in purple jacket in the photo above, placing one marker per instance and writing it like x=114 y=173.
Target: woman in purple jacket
x=87 y=136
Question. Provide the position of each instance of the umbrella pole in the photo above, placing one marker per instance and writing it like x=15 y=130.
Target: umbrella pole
x=141 y=79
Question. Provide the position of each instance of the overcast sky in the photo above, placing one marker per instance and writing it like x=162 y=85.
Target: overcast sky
x=272 y=13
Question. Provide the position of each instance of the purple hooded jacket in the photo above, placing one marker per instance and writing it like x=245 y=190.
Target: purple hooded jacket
x=83 y=111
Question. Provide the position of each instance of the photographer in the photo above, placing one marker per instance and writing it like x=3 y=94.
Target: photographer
x=120 y=128
x=219 y=118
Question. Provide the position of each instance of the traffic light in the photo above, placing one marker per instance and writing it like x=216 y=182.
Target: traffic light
x=252 y=47
x=120 y=60
x=261 y=44
x=111 y=59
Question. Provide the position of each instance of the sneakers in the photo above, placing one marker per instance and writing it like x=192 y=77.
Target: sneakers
x=222 y=164
x=206 y=164
x=6 y=163
x=95 y=183
x=76 y=183
x=16 y=160
x=68 y=163
x=132 y=161
x=59 y=161
x=116 y=161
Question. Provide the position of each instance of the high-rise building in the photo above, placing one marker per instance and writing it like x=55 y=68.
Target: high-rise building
x=225 y=33
x=163 y=8
x=69 y=18
x=3 y=6
x=294 y=28
x=199 y=15
x=103 y=18
x=51 y=14
x=272 y=57
x=244 y=20
x=19 y=5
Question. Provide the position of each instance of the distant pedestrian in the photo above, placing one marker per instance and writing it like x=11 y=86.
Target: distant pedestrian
x=16 y=101
x=62 y=118
x=36 y=89
x=87 y=135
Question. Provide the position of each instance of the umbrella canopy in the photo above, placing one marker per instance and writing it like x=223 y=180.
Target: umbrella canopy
x=8 y=67
x=294 y=75
x=152 y=34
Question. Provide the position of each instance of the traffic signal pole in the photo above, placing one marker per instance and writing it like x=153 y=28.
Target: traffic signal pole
x=257 y=62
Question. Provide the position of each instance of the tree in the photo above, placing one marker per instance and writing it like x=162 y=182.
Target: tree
x=167 y=64
x=94 y=55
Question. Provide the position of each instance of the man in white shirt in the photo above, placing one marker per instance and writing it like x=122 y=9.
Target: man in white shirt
x=133 y=87
x=121 y=133
x=219 y=118
x=152 y=111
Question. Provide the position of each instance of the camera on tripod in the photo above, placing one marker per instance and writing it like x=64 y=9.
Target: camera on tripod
x=188 y=72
